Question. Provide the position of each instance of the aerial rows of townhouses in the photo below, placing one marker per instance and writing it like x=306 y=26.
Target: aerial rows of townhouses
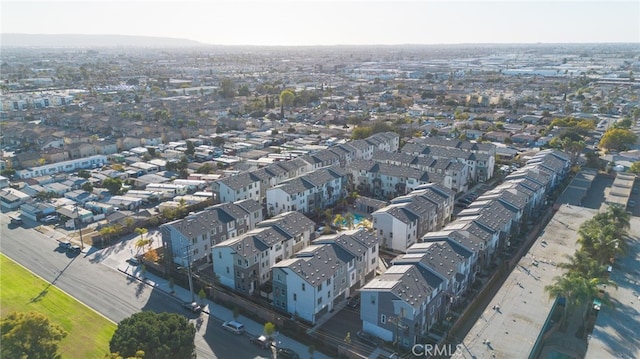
x=260 y=240
x=305 y=273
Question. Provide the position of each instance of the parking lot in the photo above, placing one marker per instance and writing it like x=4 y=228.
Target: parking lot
x=596 y=194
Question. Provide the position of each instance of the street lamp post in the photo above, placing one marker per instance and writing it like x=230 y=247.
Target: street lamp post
x=79 y=229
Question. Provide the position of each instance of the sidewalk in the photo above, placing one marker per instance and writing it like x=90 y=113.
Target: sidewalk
x=218 y=312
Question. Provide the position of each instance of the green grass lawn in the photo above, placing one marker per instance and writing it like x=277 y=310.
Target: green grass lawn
x=88 y=332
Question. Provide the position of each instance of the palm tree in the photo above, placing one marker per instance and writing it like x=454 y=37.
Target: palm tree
x=582 y=262
x=562 y=287
x=141 y=232
x=618 y=216
x=366 y=224
x=607 y=245
x=338 y=220
x=140 y=243
x=572 y=288
x=349 y=219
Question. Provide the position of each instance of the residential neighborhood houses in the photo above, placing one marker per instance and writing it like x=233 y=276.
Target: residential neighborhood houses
x=404 y=180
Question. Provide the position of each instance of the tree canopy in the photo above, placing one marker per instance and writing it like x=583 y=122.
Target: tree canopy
x=602 y=238
x=287 y=97
x=617 y=139
x=113 y=185
x=366 y=131
x=30 y=335
x=582 y=126
x=159 y=335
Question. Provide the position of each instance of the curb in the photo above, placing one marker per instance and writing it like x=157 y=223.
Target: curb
x=177 y=299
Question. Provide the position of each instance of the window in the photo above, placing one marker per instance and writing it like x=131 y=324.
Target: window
x=303 y=286
x=383 y=318
x=239 y=262
x=319 y=300
x=320 y=287
x=373 y=299
x=227 y=270
x=220 y=255
x=295 y=296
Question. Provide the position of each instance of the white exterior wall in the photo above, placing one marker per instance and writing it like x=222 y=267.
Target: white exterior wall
x=229 y=195
x=65 y=166
x=388 y=224
x=277 y=196
x=304 y=305
x=223 y=261
x=226 y=193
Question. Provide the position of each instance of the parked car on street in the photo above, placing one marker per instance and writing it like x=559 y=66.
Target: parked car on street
x=65 y=245
x=286 y=353
x=133 y=261
x=233 y=326
x=75 y=249
x=261 y=341
x=193 y=307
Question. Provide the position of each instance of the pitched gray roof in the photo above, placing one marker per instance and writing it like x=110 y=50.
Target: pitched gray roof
x=316 y=263
x=293 y=223
x=407 y=282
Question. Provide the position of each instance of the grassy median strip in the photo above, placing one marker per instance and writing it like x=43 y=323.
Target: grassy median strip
x=88 y=332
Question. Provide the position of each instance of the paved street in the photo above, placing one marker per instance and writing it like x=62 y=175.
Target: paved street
x=89 y=278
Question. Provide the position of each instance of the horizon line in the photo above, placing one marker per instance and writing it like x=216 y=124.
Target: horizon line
x=204 y=44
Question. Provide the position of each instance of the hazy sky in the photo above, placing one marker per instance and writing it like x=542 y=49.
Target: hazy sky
x=305 y=22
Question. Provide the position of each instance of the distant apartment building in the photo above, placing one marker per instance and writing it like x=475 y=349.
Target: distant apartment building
x=479 y=157
x=60 y=167
x=311 y=192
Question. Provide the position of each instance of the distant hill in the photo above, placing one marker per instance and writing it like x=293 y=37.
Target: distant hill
x=84 y=41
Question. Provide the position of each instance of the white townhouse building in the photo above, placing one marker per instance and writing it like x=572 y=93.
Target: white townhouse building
x=238 y=187
x=409 y=217
x=325 y=273
x=244 y=263
x=305 y=286
x=310 y=192
x=190 y=239
x=384 y=180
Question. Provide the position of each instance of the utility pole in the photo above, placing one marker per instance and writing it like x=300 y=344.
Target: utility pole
x=188 y=247
x=79 y=229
